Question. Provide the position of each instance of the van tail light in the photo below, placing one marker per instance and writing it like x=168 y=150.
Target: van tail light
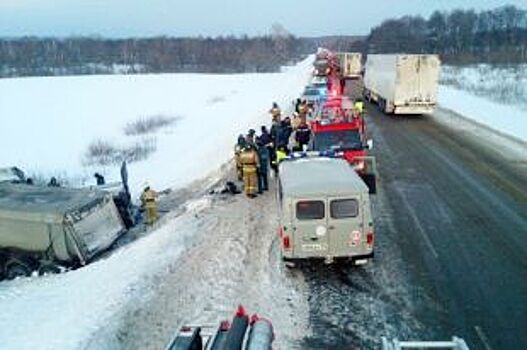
x=360 y=165
x=370 y=238
x=286 y=242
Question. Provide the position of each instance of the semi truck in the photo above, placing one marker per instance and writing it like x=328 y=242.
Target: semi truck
x=350 y=64
x=402 y=84
x=45 y=228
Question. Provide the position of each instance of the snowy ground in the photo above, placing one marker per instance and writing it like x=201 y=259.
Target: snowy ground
x=505 y=84
x=47 y=123
x=492 y=96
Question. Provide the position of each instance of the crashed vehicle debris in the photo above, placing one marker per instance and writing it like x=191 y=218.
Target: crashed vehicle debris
x=45 y=228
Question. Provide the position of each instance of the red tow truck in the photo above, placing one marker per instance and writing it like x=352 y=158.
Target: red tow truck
x=338 y=129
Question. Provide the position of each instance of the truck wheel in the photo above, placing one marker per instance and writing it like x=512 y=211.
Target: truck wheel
x=369 y=97
x=289 y=263
x=382 y=105
x=48 y=268
x=16 y=268
x=388 y=109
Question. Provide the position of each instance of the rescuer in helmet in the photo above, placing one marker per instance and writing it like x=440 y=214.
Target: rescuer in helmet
x=250 y=163
x=250 y=137
x=275 y=112
x=148 y=200
x=237 y=150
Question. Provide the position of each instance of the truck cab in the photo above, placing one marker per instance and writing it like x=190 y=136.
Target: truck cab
x=324 y=211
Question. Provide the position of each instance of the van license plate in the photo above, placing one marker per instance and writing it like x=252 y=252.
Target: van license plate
x=314 y=247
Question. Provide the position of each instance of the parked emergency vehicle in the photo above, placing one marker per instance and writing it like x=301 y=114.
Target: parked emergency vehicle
x=338 y=129
x=324 y=211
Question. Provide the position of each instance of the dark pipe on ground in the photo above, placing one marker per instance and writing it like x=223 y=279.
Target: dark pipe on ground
x=261 y=335
x=236 y=333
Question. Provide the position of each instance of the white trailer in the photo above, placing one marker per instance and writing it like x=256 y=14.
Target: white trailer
x=350 y=64
x=402 y=84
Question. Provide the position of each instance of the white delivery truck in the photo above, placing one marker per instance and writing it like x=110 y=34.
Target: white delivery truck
x=350 y=64
x=402 y=84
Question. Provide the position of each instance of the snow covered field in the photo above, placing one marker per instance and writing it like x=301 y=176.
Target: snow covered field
x=47 y=125
x=493 y=96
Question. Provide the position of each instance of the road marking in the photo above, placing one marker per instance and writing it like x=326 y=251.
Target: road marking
x=483 y=337
x=418 y=224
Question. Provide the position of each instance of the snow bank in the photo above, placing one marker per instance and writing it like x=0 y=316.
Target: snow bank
x=508 y=119
x=504 y=84
x=47 y=124
x=62 y=311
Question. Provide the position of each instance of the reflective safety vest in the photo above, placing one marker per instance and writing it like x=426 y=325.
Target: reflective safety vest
x=280 y=155
x=359 y=105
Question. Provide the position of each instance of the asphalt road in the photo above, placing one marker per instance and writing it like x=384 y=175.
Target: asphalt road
x=459 y=221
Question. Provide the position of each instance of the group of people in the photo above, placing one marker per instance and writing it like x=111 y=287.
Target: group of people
x=256 y=154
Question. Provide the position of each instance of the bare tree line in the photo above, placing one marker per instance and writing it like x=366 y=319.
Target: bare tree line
x=52 y=56
x=459 y=36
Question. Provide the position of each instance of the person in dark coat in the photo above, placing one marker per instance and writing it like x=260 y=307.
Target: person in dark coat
x=274 y=132
x=100 y=179
x=267 y=140
x=265 y=137
x=284 y=132
x=302 y=136
x=297 y=105
x=263 y=170
x=53 y=182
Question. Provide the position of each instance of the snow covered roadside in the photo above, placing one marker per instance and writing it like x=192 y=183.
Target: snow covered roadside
x=62 y=311
x=507 y=119
x=47 y=124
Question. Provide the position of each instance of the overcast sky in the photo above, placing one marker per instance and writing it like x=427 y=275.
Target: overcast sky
x=125 y=18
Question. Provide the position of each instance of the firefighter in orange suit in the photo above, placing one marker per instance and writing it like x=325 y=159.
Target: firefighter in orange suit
x=250 y=164
x=148 y=199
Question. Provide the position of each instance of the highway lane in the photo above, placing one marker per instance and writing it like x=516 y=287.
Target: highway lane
x=459 y=213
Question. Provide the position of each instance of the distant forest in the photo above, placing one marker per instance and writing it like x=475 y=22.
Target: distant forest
x=459 y=36
x=51 y=56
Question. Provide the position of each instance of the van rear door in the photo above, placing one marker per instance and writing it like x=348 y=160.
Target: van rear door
x=345 y=225
x=310 y=228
